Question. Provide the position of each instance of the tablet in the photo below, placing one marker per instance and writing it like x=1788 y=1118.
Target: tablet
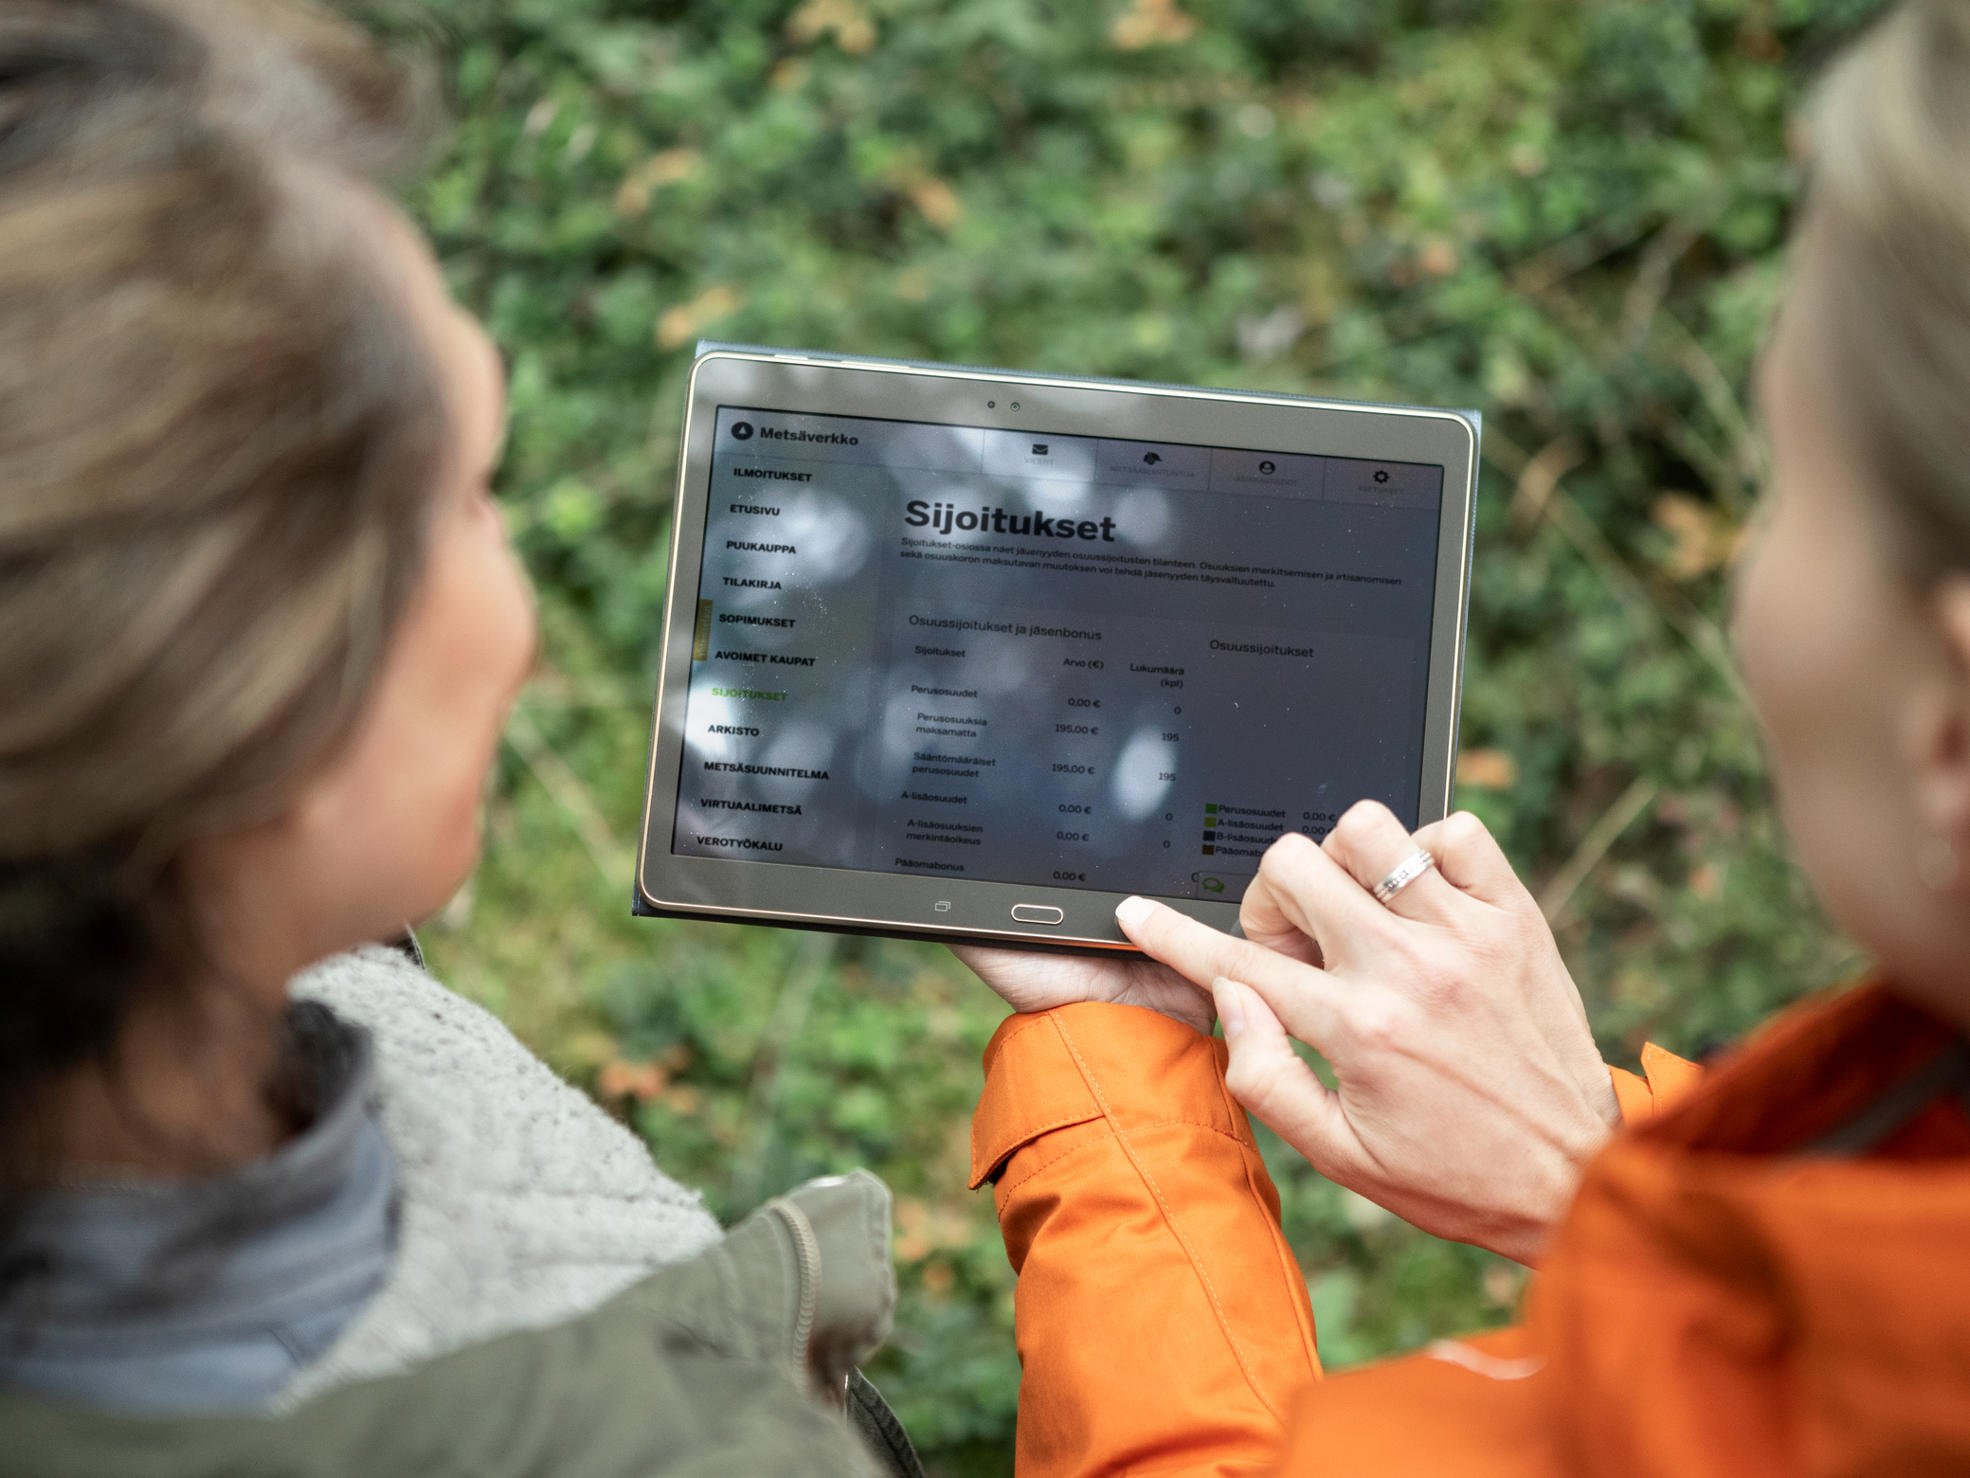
x=975 y=654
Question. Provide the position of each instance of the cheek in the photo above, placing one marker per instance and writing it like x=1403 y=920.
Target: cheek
x=1810 y=633
x=397 y=826
x=1764 y=631
x=492 y=653
x=1785 y=658
x=1818 y=666
x=515 y=594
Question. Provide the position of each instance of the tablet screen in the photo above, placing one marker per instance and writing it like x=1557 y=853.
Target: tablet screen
x=1072 y=661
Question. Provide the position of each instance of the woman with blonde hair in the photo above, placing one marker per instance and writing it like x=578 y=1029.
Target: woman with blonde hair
x=262 y=629
x=1768 y=1275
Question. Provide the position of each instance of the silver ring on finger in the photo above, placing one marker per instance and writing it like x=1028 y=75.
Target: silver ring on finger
x=1402 y=875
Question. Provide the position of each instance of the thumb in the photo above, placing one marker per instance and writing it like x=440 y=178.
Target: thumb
x=1270 y=1078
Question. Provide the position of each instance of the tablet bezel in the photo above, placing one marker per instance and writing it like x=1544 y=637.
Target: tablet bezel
x=969 y=909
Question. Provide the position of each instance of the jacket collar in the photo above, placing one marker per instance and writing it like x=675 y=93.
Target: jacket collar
x=1767 y=1296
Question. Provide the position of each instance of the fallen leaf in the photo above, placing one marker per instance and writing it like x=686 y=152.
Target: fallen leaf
x=1437 y=257
x=1541 y=476
x=925 y=1227
x=845 y=20
x=667 y=167
x=912 y=1223
x=937 y=202
x=1701 y=538
x=682 y=1100
x=1488 y=769
x=1151 y=23
x=641 y=1081
x=684 y=322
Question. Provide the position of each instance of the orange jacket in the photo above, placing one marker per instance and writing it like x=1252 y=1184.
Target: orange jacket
x=1770 y=1277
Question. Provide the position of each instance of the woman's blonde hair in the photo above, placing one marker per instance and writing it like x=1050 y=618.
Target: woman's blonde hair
x=219 y=442
x=1890 y=206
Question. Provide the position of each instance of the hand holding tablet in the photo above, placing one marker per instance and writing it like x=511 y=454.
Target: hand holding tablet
x=975 y=655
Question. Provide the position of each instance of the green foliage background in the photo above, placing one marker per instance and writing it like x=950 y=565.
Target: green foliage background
x=1570 y=215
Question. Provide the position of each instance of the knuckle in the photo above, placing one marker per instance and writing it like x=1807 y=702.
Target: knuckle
x=1521 y=931
x=1447 y=983
x=1438 y=974
x=1246 y=962
x=1249 y=1082
x=1200 y=952
x=1360 y=821
x=1463 y=829
x=1272 y=1087
x=1528 y=925
x=1284 y=851
x=1379 y=1026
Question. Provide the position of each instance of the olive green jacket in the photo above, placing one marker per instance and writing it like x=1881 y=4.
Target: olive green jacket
x=740 y=1361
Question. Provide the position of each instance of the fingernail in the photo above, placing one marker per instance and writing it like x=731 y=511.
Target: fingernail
x=1231 y=1010
x=1131 y=912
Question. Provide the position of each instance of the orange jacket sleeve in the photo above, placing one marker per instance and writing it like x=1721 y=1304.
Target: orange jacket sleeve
x=1664 y=1078
x=1163 y=1325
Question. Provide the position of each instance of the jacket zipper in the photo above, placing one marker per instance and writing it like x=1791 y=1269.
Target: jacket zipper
x=807 y=1253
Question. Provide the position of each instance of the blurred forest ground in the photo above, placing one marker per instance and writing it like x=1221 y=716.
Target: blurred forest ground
x=1569 y=215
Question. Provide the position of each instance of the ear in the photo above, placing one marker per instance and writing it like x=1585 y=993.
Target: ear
x=1940 y=721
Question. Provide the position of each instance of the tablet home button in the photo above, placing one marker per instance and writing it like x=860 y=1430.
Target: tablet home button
x=1037 y=913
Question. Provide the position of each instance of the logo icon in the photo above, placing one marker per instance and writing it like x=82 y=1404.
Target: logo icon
x=1039 y=448
x=1151 y=458
x=942 y=905
x=1268 y=468
x=742 y=431
x=1381 y=474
